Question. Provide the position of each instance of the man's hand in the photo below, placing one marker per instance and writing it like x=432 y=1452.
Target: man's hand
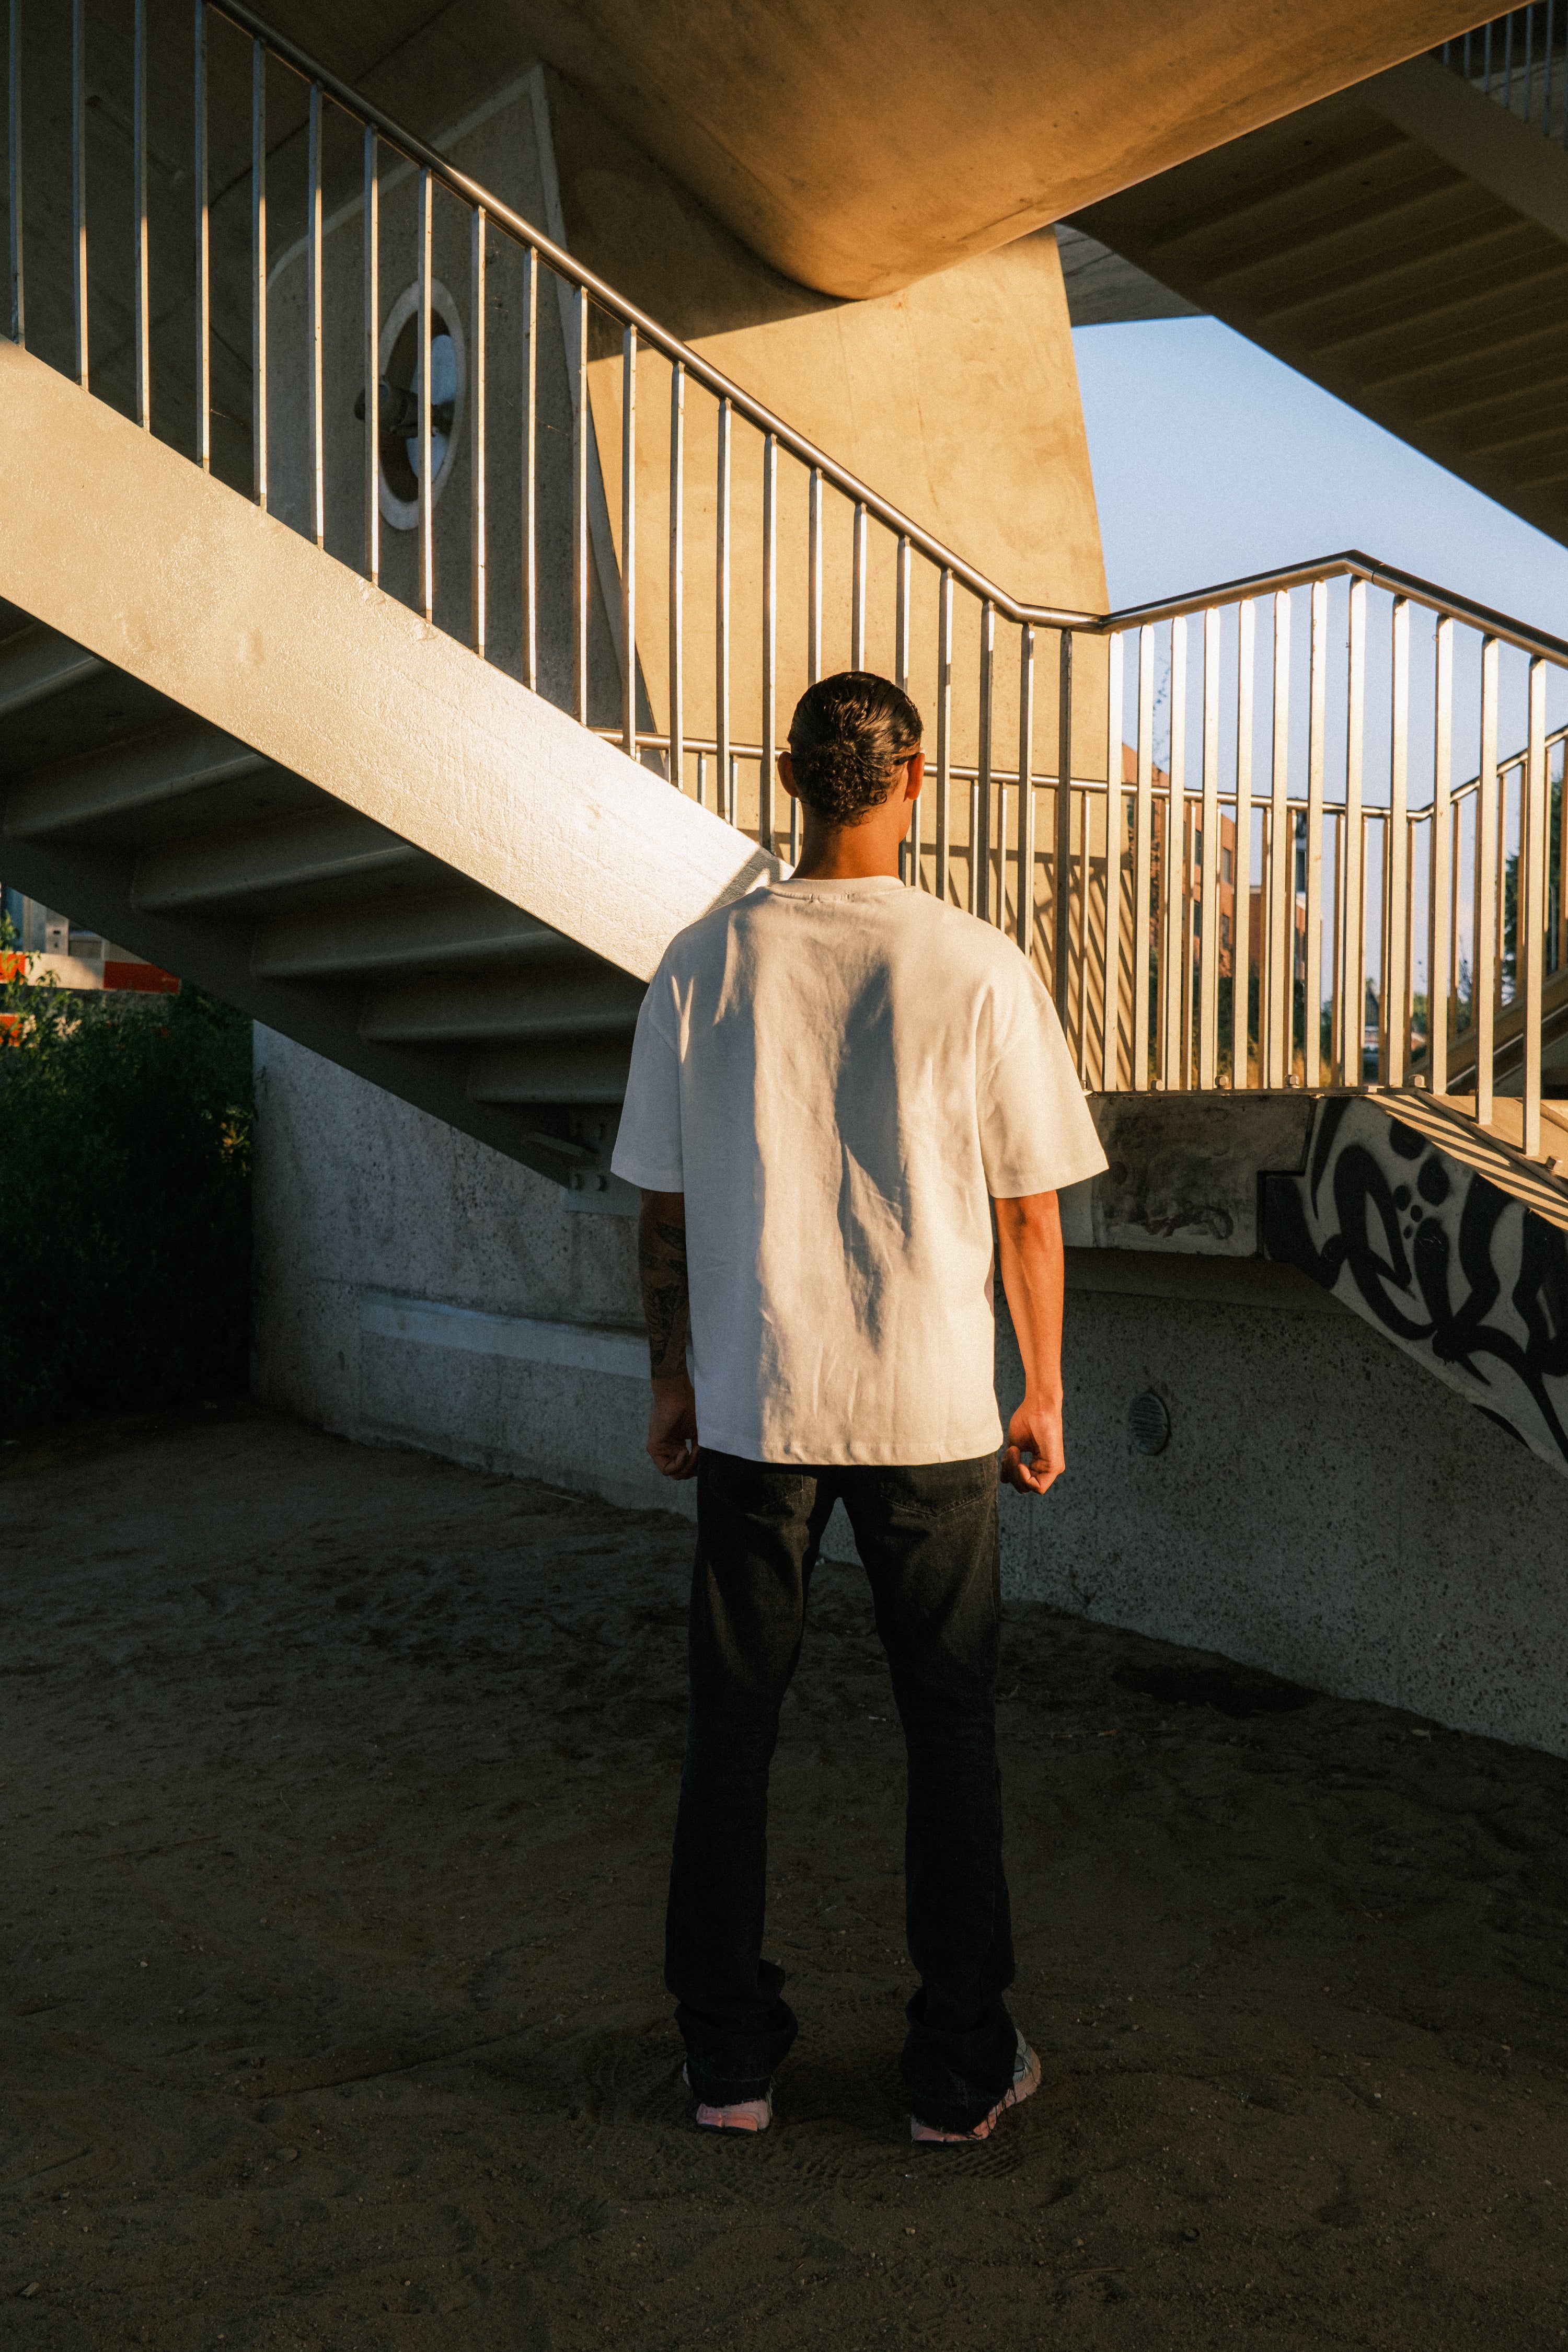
x=1036 y=1431
x=672 y=1428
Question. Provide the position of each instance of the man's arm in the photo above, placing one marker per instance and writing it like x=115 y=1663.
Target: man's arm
x=1029 y=1248
x=666 y=1306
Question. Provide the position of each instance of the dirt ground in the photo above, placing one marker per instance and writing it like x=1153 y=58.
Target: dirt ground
x=338 y=1785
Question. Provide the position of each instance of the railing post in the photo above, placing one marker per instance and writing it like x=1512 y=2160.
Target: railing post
x=766 y=822
x=857 y=591
x=1142 y=850
x=1024 y=900
x=1110 y=974
x=577 y=364
x=258 y=272
x=203 y=261
x=479 y=454
x=78 y=176
x=1172 y=950
x=1280 y=949
x=141 y=262
x=980 y=819
x=13 y=173
x=943 y=725
x=1483 y=980
x=372 y=339
x=1352 y=962
x=1440 y=957
x=1530 y=902
x=313 y=332
x=1208 y=927
x=678 y=576
x=530 y=518
x=1241 y=953
x=1317 y=709
x=1061 y=883
x=723 y=783
x=629 y=542
x=1395 y=1012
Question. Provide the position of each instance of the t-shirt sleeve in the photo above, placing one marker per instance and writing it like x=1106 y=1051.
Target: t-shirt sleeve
x=1035 y=1133
x=647 y=1147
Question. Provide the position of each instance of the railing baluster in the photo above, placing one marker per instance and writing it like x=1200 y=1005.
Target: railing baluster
x=857 y=605
x=204 y=258
x=531 y=476
x=258 y=273
x=14 y=173
x=1317 y=719
x=1241 y=951
x=1110 y=973
x=814 y=584
x=629 y=542
x=724 y=779
x=766 y=826
x=1142 y=859
x=479 y=454
x=372 y=259
x=426 y=232
x=1061 y=877
x=1483 y=984
x=79 y=176
x=314 y=408
x=678 y=576
x=1023 y=896
x=943 y=730
x=909 y=850
x=141 y=260
x=1208 y=922
x=1353 y=959
x=582 y=425
x=1441 y=958
x=1281 y=899
x=1530 y=903
x=1396 y=1010
x=980 y=817
x=1171 y=1052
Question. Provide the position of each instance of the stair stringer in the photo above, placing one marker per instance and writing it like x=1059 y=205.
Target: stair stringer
x=128 y=549
x=1466 y=1275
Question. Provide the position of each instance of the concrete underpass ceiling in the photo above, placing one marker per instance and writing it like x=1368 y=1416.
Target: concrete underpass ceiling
x=858 y=150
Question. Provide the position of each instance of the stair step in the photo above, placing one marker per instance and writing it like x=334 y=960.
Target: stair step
x=405 y=935
x=592 y=1003
x=127 y=779
x=329 y=844
x=588 y=1070
x=37 y=663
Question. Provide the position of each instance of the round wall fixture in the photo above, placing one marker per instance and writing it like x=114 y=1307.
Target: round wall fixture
x=1149 y=1423
x=397 y=357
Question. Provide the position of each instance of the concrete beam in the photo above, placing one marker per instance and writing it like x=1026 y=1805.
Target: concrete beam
x=592 y=1070
x=127 y=779
x=333 y=844
x=574 y=1002
x=37 y=663
x=395 y=936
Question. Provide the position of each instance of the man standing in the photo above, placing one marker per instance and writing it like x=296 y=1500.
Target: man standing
x=834 y=1079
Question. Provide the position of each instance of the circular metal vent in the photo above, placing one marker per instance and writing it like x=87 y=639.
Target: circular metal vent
x=1149 y=1423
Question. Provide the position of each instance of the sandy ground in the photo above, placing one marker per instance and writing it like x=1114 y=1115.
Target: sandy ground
x=337 y=1791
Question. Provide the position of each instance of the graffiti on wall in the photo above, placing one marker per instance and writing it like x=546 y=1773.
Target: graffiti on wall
x=1457 y=1272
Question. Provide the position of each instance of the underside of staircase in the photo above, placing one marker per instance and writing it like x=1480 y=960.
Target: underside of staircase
x=220 y=747
x=1404 y=244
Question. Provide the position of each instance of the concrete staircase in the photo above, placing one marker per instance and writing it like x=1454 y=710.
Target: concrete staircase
x=221 y=747
x=1405 y=245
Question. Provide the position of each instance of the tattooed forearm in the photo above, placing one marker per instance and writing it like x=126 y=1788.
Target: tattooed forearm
x=661 y=1263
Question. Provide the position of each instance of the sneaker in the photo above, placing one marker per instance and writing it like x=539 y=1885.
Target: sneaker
x=1026 y=2078
x=741 y=2116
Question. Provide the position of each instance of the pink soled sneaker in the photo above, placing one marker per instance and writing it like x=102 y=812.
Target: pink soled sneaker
x=1026 y=2078
x=742 y=2115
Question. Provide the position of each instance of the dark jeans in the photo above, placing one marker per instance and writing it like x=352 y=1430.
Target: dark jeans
x=928 y=1538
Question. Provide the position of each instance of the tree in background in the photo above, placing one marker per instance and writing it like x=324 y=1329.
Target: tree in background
x=125 y=1128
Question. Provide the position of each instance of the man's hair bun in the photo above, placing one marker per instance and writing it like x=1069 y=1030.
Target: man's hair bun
x=847 y=736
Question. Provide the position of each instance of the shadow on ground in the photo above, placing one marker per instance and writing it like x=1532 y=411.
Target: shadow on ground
x=338 y=1785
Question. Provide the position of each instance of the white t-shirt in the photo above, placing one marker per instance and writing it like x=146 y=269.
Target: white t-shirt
x=837 y=1074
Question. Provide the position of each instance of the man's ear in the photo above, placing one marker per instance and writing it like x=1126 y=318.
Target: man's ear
x=916 y=777
x=786 y=775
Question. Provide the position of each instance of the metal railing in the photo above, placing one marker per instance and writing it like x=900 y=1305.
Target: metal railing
x=1521 y=60
x=1227 y=826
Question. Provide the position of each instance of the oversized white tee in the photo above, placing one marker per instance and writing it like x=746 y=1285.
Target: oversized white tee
x=838 y=1075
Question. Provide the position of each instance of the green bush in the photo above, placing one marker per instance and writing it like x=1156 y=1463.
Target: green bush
x=125 y=1127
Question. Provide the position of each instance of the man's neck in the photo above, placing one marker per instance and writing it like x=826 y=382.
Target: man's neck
x=852 y=853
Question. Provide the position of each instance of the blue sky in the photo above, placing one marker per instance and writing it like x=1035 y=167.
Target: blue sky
x=1212 y=460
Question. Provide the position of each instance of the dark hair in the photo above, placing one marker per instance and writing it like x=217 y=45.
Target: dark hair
x=847 y=736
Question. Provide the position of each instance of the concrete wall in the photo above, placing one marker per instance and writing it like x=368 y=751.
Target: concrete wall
x=1324 y=1509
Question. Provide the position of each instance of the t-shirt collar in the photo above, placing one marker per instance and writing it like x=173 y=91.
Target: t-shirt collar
x=859 y=886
